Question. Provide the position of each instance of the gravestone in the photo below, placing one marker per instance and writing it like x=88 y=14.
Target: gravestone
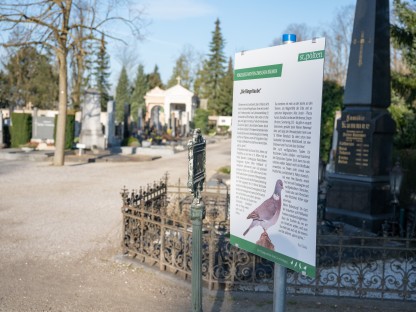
x=140 y=123
x=91 y=130
x=359 y=192
x=110 y=129
x=42 y=126
x=126 y=121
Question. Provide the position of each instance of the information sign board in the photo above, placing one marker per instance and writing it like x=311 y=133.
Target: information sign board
x=275 y=152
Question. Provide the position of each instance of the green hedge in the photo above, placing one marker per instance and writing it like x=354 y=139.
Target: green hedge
x=69 y=130
x=21 y=129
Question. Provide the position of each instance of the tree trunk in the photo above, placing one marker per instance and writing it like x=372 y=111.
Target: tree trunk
x=59 y=157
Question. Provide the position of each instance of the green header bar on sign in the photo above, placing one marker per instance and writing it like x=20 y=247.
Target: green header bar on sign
x=310 y=56
x=268 y=254
x=269 y=71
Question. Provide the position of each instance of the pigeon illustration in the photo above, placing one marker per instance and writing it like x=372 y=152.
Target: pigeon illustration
x=268 y=212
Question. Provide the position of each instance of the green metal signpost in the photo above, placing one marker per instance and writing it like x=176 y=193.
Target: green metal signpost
x=196 y=179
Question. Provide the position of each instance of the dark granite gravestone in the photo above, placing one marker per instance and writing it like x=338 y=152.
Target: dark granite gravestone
x=359 y=192
x=126 y=131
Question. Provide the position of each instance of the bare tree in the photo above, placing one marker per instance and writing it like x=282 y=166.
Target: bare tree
x=78 y=54
x=338 y=41
x=54 y=24
x=128 y=56
x=302 y=32
x=185 y=67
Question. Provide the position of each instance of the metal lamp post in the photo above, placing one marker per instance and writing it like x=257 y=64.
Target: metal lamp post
x=196 y=179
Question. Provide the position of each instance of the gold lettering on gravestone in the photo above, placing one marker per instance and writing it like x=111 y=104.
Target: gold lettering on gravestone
x=353 y=148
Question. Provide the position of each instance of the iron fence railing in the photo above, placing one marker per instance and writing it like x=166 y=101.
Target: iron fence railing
x=157 y=230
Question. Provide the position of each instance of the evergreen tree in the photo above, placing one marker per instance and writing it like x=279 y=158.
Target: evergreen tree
x=404 y=37
x=225 y=98
x=200 y=78
x=102 y=74
x=154 y=79
x=122 y=95
x=4 y=94
x=182 y=69
x=213 y=70
x=332 y=97
x=201 y=120
x=31 y=78
x=405 y=119
x=140 y=89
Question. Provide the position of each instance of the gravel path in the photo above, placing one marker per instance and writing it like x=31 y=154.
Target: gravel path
x=60 y=233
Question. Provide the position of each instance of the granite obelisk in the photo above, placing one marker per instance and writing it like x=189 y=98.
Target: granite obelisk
x=359 y=193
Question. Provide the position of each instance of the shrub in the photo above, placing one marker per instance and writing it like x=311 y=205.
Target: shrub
x=69 y=130
x=226 y=170
x=21 y=129
x=130 y=141
x=405 y=119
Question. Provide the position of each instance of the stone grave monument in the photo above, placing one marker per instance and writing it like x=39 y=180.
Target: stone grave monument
x=110 y=129
x=91 y=130
x=42 y=126
x=359 y=192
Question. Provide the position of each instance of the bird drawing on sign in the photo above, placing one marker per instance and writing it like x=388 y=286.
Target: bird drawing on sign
x=268 y=212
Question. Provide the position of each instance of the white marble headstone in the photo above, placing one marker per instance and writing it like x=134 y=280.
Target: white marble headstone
x=91 y=129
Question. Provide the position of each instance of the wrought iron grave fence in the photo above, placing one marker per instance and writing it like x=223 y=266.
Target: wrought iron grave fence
x=157 y=230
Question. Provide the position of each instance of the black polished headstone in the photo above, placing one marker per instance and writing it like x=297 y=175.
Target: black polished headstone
x=368 y=76
x=359 y=186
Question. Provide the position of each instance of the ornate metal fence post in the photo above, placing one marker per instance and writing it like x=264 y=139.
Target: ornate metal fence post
x=196 y=179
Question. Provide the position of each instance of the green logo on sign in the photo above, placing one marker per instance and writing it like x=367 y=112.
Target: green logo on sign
x=270 y=71
x=310 y=56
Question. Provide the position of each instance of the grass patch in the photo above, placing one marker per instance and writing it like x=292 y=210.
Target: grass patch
x=226 y=170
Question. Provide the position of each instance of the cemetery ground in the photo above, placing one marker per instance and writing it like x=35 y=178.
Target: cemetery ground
x=60 y=234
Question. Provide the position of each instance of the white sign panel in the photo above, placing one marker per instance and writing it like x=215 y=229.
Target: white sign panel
x=275 y=152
